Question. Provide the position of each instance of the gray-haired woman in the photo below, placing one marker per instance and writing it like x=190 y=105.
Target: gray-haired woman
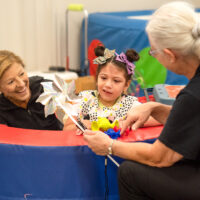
x=168 y=169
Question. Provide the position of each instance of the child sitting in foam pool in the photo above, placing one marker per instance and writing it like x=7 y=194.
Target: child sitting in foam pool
x=114 y=74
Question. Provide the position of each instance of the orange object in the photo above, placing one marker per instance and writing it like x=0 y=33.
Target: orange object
x=173 y=90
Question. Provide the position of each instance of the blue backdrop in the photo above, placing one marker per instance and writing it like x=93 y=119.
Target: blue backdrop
x=116 y=31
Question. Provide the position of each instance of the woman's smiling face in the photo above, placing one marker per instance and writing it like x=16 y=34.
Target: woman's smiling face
x=14 y=84
x=111 y=83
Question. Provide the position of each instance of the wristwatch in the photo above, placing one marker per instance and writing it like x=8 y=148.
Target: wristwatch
x=110 y=148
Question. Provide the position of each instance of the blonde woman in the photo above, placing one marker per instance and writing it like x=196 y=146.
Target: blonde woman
x=18 y=95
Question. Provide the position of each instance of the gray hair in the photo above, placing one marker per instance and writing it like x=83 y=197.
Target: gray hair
x=176 y=26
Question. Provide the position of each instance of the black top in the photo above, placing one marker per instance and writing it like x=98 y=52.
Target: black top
x=31 y=118
x=182 y=129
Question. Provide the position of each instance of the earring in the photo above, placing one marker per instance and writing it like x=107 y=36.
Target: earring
x=124 y=93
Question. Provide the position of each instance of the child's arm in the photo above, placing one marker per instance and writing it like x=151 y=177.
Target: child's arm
x=68 y=124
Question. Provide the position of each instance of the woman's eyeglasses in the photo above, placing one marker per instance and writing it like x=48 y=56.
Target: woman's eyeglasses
x=153 y=52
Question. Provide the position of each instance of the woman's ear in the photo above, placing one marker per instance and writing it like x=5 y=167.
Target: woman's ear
x=170 y=55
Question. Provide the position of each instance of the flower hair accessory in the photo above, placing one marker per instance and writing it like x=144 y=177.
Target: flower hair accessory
x=122 y=58
x=102 y=59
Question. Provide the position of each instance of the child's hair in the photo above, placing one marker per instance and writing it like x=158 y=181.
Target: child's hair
x=131 y=56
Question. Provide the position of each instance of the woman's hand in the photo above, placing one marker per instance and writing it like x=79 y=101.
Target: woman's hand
x=152 y=122
x=136 y=117
x=121 y=124
x=97 y=141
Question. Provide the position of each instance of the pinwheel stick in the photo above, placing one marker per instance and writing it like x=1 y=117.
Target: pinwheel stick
x=70 y=116
x=81 y=128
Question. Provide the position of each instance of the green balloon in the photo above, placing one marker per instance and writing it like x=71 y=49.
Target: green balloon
x=149 y=71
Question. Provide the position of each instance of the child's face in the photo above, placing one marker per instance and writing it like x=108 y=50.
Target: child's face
x=111 y=83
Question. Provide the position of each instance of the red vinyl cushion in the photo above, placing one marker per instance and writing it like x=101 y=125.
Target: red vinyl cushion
x=19 y=136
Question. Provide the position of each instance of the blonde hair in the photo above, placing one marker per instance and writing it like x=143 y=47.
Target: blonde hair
x=8 y=58
x=176 y=26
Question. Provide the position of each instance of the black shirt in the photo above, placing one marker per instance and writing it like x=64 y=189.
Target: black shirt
x=182 y=129
x=31 y=118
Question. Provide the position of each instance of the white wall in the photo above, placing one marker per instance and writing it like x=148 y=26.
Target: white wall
x=36 y=29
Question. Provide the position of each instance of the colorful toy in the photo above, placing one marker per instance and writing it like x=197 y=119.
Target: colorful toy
x=103 y=124
x=112 y=133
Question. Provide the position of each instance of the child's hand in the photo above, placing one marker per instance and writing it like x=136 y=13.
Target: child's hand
x=86 y=123
x=79 y=131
